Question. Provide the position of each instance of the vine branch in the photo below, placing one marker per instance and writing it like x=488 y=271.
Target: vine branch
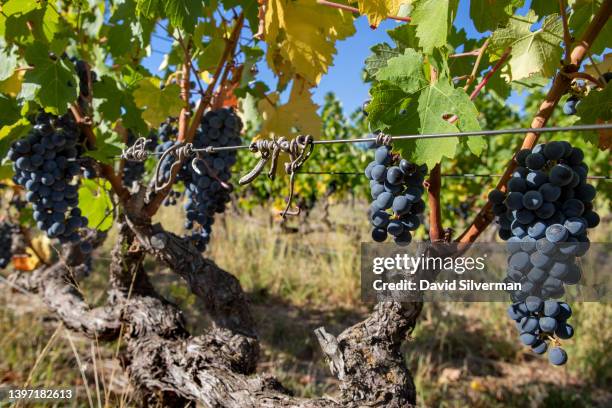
x=480 y=54
x=356 y=10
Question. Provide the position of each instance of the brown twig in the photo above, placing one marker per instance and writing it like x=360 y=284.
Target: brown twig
x=584 y=75
x=356 y=10
x=480 y=54
x=489 y=74
x=560 y=86
x=472 y=53
x=484 y=81
x=433 y=184
x=567 y=38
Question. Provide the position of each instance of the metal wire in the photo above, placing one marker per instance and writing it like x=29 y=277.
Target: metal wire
x=464 y=175
x=497 y=132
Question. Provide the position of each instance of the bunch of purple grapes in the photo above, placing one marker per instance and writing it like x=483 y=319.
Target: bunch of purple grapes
x=45 y=164
x=6 y=243
x=541 y=324
x=544 y=218
x=396 y=185
x=206 y=178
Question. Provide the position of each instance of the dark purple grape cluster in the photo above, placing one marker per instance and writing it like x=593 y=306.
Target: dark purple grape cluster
x=6 y=243
x=544 y=218
x=542 y=324
x=206 y=180
x=396 y=185
x=45 y=164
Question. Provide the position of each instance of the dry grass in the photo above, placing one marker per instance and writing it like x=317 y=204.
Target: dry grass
x=461 y=354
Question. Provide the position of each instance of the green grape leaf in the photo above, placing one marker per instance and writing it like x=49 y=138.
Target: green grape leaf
x=436 y=103
x=23 y=21
x=250 y=8
x=157 y=103
x=53 y=79
x=8 y=60
x=9 y=110
x=404 y=36
x=388 y=100
x=583 y=12
x=96 y=205
x=405 y=71
x=596 y=106
x=533 y=52
x=433 y=20
x=8 y=134
x=108 y=146
x=148 y=8
x=118 y=40
x=489 y=14
x=209 y=58
x=6 y=172
x=381 y=53
x=498 y=88
x=183 y=14
x=544 y=7
x=107 y=99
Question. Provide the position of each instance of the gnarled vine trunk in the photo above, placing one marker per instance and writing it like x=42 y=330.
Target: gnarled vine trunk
x=168 y=365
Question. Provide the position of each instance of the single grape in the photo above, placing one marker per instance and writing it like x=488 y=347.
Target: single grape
x=557 y=356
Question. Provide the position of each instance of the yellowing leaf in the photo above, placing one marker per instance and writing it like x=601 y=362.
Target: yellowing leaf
x=378 y=10
x=12 y=85
x=301 y=37
x=42 y=248
x=602 y=66
x=25 y=262
x=297 y=116
x=157 y=103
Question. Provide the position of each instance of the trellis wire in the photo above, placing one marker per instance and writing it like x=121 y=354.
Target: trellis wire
x=497 y=132
x=464 y=175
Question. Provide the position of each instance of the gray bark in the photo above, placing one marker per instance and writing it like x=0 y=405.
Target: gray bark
x=170 y=366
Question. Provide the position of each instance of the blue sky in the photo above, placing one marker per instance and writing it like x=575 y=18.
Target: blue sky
x=344 y=78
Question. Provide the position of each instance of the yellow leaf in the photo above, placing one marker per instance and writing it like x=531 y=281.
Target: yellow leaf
x=303 y=33
x=297 y=116
x=42 y=247
x=206 y=77
x=12 y=85
x=157 y=103
x=378 y=10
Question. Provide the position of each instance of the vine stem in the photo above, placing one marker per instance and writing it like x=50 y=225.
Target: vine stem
x=433 y=185
x=356 y=10
x=560 y=86
x=191 y=129
x=567 y=38
x=490 y=74
x=480 y=54
x=466 y=54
